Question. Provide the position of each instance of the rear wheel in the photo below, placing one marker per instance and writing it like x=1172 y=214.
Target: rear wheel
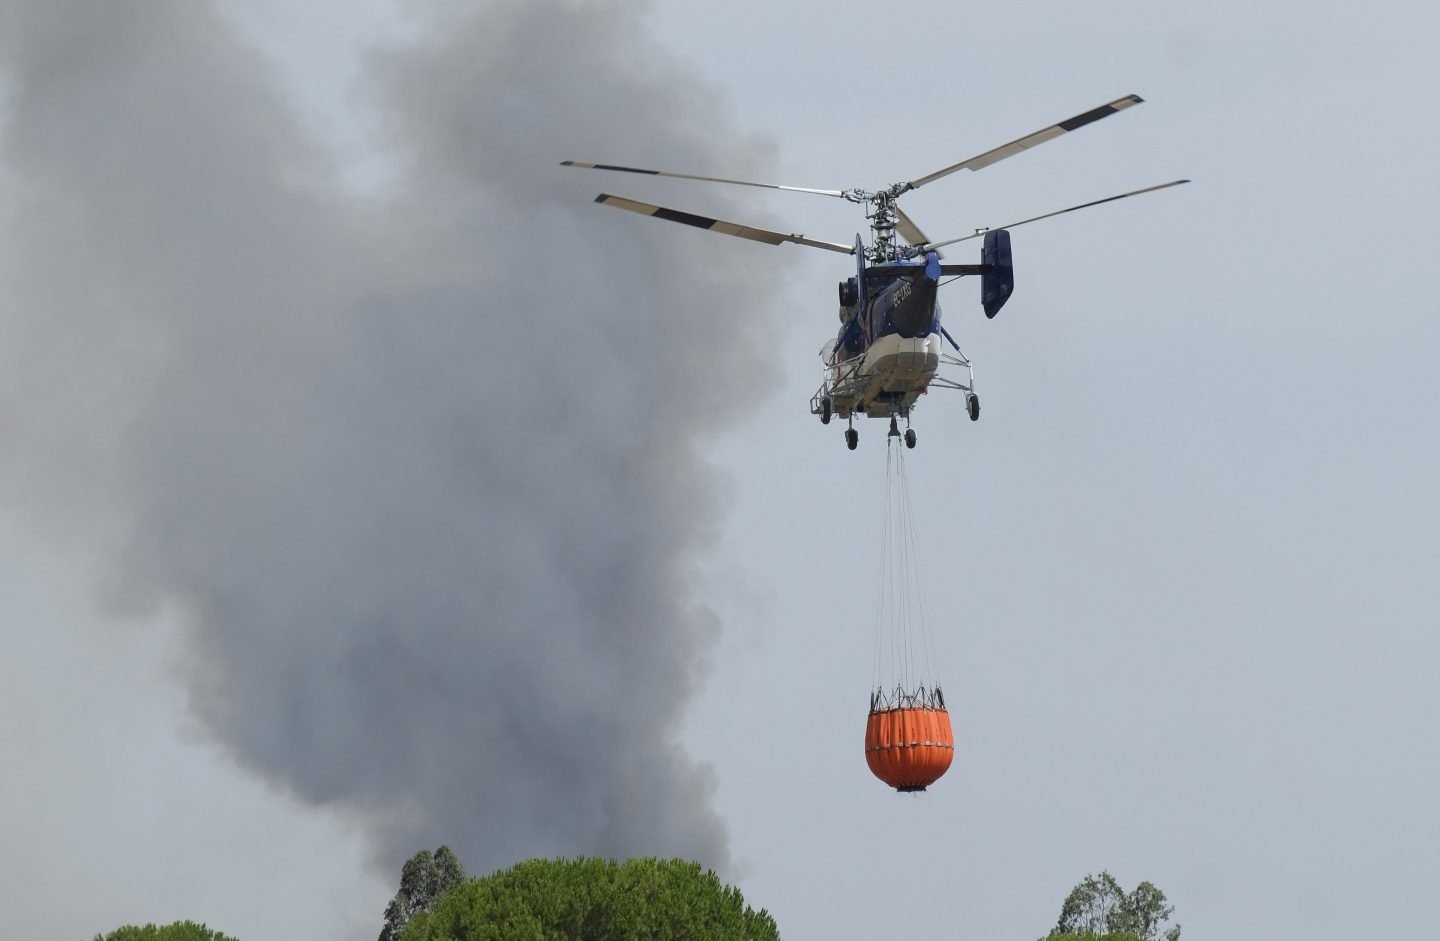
x=825 y=411
x=973 y=404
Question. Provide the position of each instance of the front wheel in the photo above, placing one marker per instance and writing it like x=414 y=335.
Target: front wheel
x=909 y=437
x=852 y=438
x=973 y=404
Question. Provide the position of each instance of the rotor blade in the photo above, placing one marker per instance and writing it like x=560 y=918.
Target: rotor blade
x=903 y=270
x=1030 y=140
x=909 y=231
x=706 y=179
x=1058 y=212
x=719 y=225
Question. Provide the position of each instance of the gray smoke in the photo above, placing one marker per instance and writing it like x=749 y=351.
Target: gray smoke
x=421 y=475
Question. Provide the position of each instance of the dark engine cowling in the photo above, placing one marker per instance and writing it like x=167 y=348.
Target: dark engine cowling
x=998 y=283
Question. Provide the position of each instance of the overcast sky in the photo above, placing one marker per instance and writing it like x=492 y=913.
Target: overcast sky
x=1181 y=575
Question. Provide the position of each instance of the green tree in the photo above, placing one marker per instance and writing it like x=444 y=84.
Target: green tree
x=1099 y=909
x=594 y=900
x=1143 y=912
x=179 y=931
x=424 y=880
x=1087 y=909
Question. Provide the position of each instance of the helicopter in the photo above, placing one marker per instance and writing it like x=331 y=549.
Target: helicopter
x=889 y=348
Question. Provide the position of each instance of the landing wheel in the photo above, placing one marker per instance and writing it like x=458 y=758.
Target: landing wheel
x=852 y=438
x=825 y=411
x=973 y=404
x=909 y=437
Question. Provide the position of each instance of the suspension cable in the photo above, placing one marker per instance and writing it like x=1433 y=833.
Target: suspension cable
x=904 y=657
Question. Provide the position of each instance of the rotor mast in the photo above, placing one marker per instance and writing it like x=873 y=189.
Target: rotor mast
x=883 y=215
x=882 y=212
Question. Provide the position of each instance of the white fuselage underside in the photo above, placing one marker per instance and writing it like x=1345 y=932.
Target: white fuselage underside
x=894 y=370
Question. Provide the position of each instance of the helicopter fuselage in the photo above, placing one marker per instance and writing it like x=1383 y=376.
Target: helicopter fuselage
x=889 y=346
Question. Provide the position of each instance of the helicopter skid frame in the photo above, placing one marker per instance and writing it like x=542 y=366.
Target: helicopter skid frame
x=841 y=389
x=944 y=382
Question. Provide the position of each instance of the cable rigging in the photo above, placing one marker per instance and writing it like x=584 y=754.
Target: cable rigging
x=908 y=740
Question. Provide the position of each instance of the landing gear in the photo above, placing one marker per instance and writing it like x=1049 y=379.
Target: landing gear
x=894 y=428
x=909 y=437
x=825 y=411
x=852 y=438
x=972 y=403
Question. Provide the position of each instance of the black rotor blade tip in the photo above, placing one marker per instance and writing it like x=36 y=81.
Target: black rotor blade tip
x=1080 y=120
x=686 y=218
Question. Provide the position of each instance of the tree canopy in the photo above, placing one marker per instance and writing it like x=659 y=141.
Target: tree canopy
x=424 y=880
x=1098 y=909
x=179 y=931
x=594 y=900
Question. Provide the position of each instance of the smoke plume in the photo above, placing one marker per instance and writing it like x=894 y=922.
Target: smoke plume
x=420 y=473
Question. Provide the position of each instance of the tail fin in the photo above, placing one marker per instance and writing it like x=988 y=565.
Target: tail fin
x=998 y=283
